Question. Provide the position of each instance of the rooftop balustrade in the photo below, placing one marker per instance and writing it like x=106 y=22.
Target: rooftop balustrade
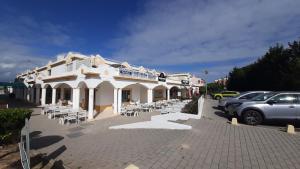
x=86 y=62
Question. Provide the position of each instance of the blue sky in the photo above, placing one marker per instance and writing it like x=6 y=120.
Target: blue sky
x=171 y=36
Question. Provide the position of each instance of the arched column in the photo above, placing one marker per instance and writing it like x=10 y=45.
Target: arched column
x=91 y=104
x=168 y=94
x=119 y=100
x=28 y=94
x=54 y=96
x=115 y=101
x=149 y=96
x=75 y=99
x=43 y=98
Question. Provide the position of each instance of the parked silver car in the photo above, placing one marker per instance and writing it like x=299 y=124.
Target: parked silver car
x=274 y=105
x=226 y=102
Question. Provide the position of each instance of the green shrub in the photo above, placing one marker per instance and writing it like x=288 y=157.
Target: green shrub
x=192 y=106
x=11 y=123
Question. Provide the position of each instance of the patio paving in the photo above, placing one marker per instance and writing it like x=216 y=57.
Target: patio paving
x=212 y=143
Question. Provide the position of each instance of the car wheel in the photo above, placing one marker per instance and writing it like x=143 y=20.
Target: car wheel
x=252 y=117
x=218 y=97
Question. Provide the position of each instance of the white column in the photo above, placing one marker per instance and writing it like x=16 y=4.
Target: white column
x=28 y=94
x=119 y=100
x=76 y=92
x=43 y=98
x=37 y=96
x=168 y=94
x=149 y=96
x=53 y=96
x=115 y=101
x=91 y=104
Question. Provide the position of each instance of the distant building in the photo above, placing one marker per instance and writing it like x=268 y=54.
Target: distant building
x=222 y=81
x=196 y=83
x=6 y=88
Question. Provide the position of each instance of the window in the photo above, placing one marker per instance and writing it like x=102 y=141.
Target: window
x=125 y=95
x=250 y=95
x=298 y=101
x=49 y=72
x=263 y=97
x=69 y=67
x=284 y=99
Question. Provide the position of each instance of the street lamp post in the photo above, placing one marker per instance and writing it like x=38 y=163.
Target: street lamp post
x=205 y=72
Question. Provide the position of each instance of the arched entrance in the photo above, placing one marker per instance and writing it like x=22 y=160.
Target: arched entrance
x=135 y=93
x=104 y=98
x=160 y=93
x=83 y=96
x=48 y=94
x=63 y=93
x=174 y=92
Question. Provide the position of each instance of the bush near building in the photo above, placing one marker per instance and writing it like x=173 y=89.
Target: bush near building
x=11 y=123
x=278 y=69
x=192 y=106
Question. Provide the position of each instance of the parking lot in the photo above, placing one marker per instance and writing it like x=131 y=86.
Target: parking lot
x=211 y=143
x=214 y=113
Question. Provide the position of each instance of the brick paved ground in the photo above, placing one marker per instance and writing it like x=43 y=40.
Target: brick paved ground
x=212 y=143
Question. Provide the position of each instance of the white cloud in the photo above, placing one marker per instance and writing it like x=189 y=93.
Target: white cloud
x=7 y=65
x=193 y=31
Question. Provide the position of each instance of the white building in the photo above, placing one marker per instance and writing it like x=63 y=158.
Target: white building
x=98 y=85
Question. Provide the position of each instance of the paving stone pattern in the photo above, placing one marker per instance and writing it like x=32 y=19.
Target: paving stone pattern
x=210 y=144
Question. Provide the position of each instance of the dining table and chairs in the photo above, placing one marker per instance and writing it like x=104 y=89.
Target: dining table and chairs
x=65 y=114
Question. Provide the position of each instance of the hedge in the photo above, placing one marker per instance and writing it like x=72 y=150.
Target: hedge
x=192 y=106
x=11 y=123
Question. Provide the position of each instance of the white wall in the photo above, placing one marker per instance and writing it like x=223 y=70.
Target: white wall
x=104 y=95
x=143 y=95
x=135 y=89
x=58 y=70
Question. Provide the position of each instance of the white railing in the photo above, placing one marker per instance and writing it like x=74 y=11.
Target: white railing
x=136 y=74
x=86 y=62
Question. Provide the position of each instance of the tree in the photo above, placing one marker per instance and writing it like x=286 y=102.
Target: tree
x=278 y=69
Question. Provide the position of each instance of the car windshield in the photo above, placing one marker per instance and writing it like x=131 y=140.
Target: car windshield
x=263 y=97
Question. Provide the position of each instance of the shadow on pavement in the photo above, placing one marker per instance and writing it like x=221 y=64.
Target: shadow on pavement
x=281 y=123
x=216 y=108
x=44 y=141
x=34 y=134
x=42 y=160
x=222 y=114
x=37 y=141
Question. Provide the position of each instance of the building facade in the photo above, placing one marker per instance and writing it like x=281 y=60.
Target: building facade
x=99 y=85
